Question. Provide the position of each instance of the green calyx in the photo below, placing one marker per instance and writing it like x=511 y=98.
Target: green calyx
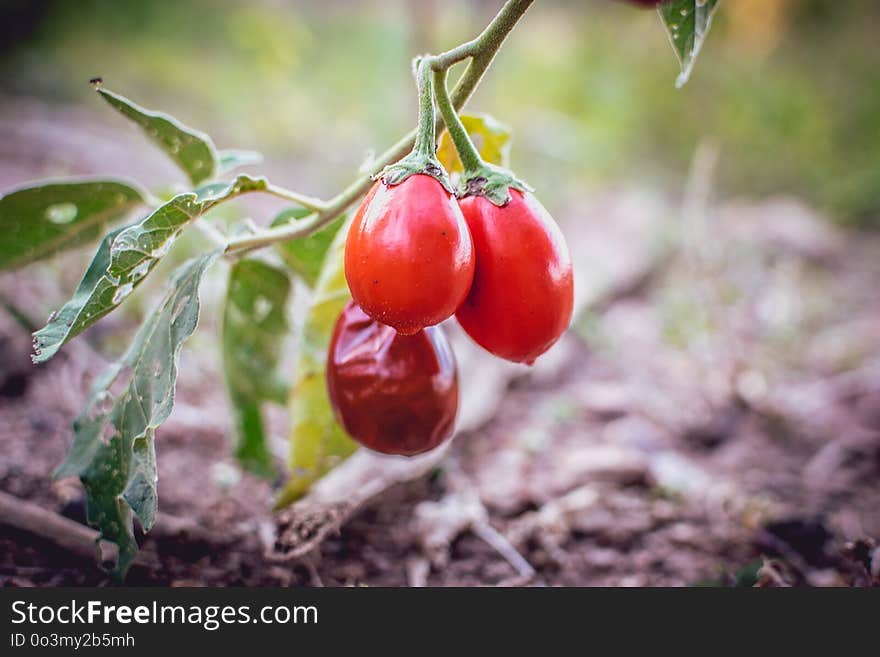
x=492 y=182
x=412 y=164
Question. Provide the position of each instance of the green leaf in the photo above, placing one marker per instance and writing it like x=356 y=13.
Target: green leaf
x=305 y=256
x=491 y=138
x=254 y=327
x=317 y=441
x=112 y=451
x=234 y=158
x=687 y=23
x=39 y=220
x=121 y=265
x=193 y=151
x=73 y=318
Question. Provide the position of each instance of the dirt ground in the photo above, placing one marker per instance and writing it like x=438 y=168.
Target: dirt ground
x=712 y=418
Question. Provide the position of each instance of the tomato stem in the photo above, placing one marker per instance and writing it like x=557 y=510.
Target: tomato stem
x=423 y=157
x=478 y=178
x=308 y=202
x=426 y=135
x=470 y=156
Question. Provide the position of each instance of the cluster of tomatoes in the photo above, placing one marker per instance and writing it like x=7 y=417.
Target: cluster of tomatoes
x=416 y=255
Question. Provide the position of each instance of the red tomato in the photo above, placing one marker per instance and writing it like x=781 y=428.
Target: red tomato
x=523 y=291
x=409 y=258
x=393 y=393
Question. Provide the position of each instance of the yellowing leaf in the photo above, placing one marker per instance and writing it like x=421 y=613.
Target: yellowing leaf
x=317 y=441
x=491 y=138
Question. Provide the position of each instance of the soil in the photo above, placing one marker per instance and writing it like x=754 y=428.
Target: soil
x=717 y=423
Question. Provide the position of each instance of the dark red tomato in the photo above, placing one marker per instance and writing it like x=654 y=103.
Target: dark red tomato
x=409 y=259
x=523 y=292
x=393 y=393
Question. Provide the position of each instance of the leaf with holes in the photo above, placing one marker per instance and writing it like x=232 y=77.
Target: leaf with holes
x=687 y=23
x=491 y=138
x=305 y=255
x=254 y=328
x=317 y=441
x=37 y=221
x=130 y=257
x=193 y=151
x=112 y=451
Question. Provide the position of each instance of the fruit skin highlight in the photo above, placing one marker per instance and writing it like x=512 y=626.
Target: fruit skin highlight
x=393 y=393
x=522 y=294
x=409 y=258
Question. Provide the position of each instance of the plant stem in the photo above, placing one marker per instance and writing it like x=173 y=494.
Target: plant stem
x=481 y=51
x=300 y=199
x=425 y=133
x=208 y=230
x=470 y=157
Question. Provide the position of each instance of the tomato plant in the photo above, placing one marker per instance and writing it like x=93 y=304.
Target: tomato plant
x=418 y=250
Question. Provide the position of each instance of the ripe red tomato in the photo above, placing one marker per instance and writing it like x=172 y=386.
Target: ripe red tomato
x=409 y=258
x=523 y=291
x=393 y=393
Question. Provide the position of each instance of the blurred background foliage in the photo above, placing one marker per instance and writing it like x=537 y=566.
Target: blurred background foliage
x=788 y=88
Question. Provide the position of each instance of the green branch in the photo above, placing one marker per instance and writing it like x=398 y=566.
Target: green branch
x=300 y=199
